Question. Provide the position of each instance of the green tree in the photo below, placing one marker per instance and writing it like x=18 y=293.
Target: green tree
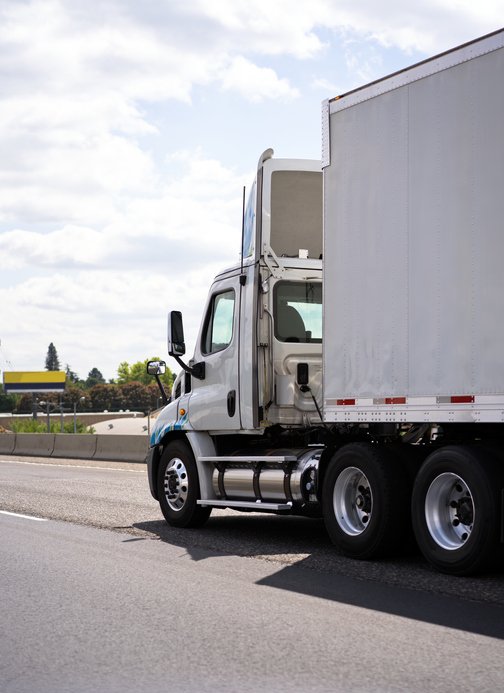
x=24 y=405
x=155 y=399
x=7 y=402
x=107 y=397
x=133 y=396
x=52 y=361
x=25 y=402
x=137 y=372
x=123 y=373
x=73 y=395
x=94 y=378
x=71 y=375
x=136 y=397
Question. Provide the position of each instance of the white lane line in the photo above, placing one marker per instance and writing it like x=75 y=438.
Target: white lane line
x=80 y=466
x=25 y=517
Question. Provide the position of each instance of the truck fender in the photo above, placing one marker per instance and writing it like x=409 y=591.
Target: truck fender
x=325 y=458
x=201 y=445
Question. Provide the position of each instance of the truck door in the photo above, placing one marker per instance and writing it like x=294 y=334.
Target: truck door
x=214 y=403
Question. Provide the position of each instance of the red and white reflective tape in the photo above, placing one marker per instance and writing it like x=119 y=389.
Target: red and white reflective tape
x=399 y=408
x=422 y=401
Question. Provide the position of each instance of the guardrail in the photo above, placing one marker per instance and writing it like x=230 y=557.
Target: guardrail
x=117 y=448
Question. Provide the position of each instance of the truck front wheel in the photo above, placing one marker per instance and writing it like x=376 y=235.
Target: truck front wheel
x=178 y=487
x=365 y=501
x=456 y=510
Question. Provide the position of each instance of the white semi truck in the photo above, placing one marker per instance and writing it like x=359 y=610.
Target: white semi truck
x=351 y=366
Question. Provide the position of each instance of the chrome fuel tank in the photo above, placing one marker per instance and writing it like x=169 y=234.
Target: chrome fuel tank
x=264 y=480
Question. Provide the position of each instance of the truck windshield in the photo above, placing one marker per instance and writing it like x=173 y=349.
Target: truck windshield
x=298 y=311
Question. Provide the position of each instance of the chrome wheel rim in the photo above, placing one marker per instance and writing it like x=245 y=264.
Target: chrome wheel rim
x=449 y=511
x=176 y=484
x=353 y=501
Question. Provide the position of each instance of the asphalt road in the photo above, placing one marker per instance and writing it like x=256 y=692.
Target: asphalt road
x=249 y=602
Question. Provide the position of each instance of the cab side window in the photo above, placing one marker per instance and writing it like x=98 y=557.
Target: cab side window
x=218 y=330
x=298 y=311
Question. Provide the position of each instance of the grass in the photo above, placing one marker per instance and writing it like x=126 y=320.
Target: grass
x=40 y=426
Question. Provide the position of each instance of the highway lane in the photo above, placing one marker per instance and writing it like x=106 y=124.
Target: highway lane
x=246 y=603
x=87 y=610
x=102 y=494
x=115 y=496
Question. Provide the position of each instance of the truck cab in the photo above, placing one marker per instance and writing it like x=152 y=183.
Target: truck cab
x=262 y=322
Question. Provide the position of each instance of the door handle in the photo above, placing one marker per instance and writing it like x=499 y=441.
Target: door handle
x=231 y=403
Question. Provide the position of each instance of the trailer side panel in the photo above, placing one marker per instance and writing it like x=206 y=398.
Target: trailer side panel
x=414 y=239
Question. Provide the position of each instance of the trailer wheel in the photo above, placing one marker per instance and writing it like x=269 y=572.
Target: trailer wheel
x=456 y=510
x=178 y=487
x=365 y=501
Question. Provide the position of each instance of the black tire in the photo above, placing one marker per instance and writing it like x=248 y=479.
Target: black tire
x=178 y=487
x=365 y=501
x=456 y=510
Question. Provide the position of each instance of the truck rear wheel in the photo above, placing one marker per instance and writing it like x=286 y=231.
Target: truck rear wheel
x=365 y=501
x=178 y=487
x=456 y=510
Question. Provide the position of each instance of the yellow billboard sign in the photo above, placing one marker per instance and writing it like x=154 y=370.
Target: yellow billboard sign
x=21 y=382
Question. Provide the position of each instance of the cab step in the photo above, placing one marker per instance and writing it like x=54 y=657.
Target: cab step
x=258 y=506
x=251 y=459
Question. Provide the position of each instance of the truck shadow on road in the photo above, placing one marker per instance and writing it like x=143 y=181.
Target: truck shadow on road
x=309 y=564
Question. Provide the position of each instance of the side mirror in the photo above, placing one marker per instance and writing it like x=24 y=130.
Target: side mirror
x=156 y=367
x=176 y=344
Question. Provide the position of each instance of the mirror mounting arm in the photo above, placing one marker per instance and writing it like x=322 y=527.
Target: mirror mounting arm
x=164 y=396
x=197 y=370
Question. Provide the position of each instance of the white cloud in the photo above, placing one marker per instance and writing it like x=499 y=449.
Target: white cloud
x=58 y=48
x=428 y=26
x=282 y=27
x=67 y=247
x=201 y=206
x=71 y=118
x=256 y=83
x=271 y=28
x=46 y=176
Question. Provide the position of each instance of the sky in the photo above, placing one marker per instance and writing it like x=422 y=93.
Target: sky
x=128 y=130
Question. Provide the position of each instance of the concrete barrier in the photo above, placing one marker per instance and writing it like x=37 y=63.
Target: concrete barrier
x=121 y=448
x=7 y=443
x=74 y=446
x=35 y=444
